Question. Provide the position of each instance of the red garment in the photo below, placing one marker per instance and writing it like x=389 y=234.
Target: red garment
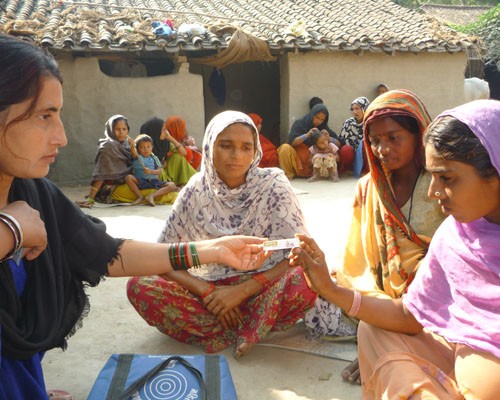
x=176 y=312
x=303 y=163
x=195 y=159
x=177 y=128
x=269 y=151
x=347 y=154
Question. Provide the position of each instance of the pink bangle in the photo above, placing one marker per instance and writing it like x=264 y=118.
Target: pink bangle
x=356 y=303
x=262 y=279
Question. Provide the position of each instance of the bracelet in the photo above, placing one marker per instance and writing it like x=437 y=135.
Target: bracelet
x=17 y=233
x=177 y=254
x=210 y=289
x=304 y=137
x=356 y=303
x=194 y=255
x=262 y=279
x=94 y=189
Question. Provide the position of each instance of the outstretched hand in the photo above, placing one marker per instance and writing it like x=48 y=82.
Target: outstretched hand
x=244 y=253
x=312 y=260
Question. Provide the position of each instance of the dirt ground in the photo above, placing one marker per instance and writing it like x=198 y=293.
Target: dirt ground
x=113 y=326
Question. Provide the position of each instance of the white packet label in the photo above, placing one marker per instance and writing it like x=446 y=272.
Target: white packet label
x=281 y=244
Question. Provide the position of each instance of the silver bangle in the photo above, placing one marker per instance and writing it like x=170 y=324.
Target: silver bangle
x=17 y=233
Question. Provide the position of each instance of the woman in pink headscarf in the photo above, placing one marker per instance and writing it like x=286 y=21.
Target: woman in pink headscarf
x=442 y=339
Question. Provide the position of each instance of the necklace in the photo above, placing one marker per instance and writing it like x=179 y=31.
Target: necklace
x=411 y=197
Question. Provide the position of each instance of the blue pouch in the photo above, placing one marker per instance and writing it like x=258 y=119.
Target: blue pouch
x=164 y=377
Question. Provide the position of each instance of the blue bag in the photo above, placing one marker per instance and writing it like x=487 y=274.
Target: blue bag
x=164 y=377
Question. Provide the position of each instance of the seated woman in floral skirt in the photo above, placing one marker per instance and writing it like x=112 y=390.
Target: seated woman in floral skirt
x=212 y=306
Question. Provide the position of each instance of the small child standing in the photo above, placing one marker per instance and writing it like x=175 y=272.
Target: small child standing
x=146 y=169
x=323 y=157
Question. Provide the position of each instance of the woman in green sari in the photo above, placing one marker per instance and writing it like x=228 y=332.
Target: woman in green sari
x=171 y=152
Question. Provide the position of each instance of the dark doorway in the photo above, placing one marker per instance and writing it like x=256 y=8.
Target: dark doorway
x=252 y=87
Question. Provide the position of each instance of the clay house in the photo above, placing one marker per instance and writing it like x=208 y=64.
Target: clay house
x=195 y=58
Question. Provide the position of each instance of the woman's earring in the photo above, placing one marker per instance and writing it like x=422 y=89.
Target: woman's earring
x=437 y=194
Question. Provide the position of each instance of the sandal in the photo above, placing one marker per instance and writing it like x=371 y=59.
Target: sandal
x=59 y=395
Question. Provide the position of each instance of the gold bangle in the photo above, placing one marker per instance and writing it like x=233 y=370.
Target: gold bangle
x=93 y=189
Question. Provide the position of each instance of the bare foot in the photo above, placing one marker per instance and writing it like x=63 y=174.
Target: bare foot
x=85 y=204
x=351 y=373
x=242 y=349
x=59 y=395
x=334 y=178
x=150 y=200
x=313 y=178
x=139 y=200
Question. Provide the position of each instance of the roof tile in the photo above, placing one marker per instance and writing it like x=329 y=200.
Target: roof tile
x=125 y=25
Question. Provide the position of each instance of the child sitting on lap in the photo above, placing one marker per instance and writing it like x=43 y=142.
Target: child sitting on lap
x=323 y=157
x=146 y=169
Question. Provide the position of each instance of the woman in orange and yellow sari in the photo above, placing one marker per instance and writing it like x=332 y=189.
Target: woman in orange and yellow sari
x=393 y=219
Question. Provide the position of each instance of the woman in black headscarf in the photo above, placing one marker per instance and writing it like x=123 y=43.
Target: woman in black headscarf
x=294 y=155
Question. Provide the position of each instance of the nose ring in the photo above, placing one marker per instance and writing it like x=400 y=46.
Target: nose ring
x=437 y=194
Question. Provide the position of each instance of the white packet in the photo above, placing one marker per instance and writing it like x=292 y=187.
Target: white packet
x=281 y=244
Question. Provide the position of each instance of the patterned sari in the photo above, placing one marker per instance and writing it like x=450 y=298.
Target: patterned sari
x=266 y=206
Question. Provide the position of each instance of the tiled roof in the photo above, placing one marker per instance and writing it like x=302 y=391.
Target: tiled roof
x=286 y=25
x=460 y=15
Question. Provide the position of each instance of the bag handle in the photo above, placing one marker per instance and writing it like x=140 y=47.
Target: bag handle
x=143 y=379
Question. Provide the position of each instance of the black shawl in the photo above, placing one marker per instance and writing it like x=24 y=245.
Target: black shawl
x=53 y=302
x=153 y=127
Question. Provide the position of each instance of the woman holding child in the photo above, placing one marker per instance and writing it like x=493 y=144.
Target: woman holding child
x=212 y=306
x=294 y=156
x=442 y=339
x=393 y=219
x=170 y=149
x=146 y=170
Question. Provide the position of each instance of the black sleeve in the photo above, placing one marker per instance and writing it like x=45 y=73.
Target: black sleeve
x=85 y=245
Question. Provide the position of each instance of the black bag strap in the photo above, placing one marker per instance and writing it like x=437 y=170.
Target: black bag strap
x=125 y=395
x=212 y=376
x=117 y=384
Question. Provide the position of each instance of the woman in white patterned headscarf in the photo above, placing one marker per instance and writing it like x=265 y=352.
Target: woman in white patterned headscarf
x=214 y=306
x=351 y=137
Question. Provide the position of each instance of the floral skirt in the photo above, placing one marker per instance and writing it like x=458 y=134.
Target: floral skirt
x=324 y=162
x=176 y=312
